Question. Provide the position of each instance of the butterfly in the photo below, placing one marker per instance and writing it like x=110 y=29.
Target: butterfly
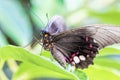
x=77 y=47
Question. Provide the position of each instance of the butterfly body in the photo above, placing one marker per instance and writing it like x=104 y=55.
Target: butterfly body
x=46 y=40
x=78 y=47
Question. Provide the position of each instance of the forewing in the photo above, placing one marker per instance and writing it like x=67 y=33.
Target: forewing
x=104 y=35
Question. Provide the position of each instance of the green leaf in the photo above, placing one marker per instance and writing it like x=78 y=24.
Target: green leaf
x=80 y=74
x=3 y=76
x=102 y=73
x=46 y=54
x=14 y=22
x=1 y=63
x=20 y=54
x=111 y=17
x=28 y=71
x=109 y=51
x=108 y=62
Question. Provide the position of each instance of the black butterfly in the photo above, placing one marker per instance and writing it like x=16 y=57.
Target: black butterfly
x=77 y=47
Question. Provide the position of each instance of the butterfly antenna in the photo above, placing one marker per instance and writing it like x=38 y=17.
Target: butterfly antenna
x=47 y=20
x=38 y=18
x=38 y=41
x=47 y=17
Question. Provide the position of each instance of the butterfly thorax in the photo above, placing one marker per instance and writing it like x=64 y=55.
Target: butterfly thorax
x=47 y=41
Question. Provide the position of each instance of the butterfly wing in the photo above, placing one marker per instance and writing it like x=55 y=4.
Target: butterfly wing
x=56 y=25
x=80 y=46
x=103 y=34
x=58 y=55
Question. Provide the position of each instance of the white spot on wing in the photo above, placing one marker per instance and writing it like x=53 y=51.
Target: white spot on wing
x=76 y=59
x=81 y=57
x=94 y=41
x=88 y=55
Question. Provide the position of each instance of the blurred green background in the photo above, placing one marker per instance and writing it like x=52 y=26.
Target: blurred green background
x=20 y=20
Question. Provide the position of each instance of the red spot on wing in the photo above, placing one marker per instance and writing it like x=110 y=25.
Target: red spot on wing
x=73 y=55
x=77 y=53
x=86 y=39
x=90 y=46
x=71 y=59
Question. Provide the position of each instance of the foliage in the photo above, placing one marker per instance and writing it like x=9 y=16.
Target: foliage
x=33 y=65
x=21 y=19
